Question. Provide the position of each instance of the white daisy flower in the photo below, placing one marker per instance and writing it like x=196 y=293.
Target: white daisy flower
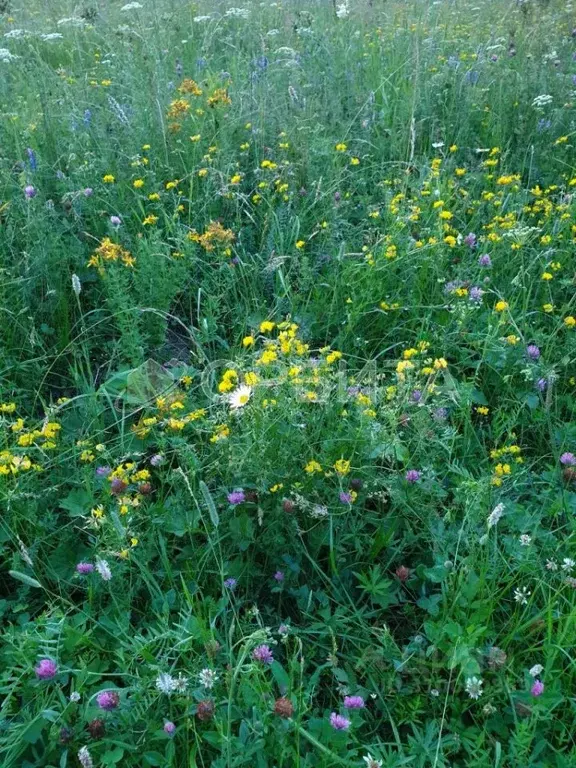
x=240 y=397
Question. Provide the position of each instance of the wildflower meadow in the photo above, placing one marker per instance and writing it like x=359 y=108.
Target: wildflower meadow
x=288 y=381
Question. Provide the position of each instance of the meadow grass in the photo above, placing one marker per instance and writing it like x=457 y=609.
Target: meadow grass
x=287 y=436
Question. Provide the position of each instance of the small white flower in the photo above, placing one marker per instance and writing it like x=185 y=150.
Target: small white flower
x=542 y=101
x=521 y=595
x=200 y=19
x=49 y=36
x=207 y=678
x=75 y=697
x=238 y=13
x=551 y=565
x=76 y=284
x=438 y=145
x=14 y=34
x=165 y=683
x=6 y=56
x=474 y=687
x=71 y=21
x=240 y=397
x=495 y=515
x=568 y=564
x=180 y=683
x=536 y=670
x=371 y=762
x=131 y=7
x=525 y=540
x=85 y=758
x=342 y=11
x=435 y=693
x=103 y=569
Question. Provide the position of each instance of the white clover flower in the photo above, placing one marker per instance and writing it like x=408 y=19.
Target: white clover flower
x=474 y=687
x=525 y=540
x=75 y=697
x=568 y=564
x=521 y=595
x=207 y=678
x=551 y=565
x=371 y=762
x=536 y=670
x=180 y=683
x=165 y=683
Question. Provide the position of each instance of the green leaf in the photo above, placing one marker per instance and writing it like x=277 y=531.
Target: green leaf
x=213 y=512
x=33 y=730
x=78 y=502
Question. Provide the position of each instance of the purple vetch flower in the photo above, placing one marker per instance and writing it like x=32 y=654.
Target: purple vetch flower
x=568 y=459
x=157 y=460
x=538 y=688
x=108 y=700
x=88 y=192
x=169 y=728
x=84 y=568
x=533 y=352
x=87 y=117
x=103 y=471
x=440 y=414
x=230 y=583
x=339 y=722
x=485 y=260
x=475 y=294
x=279 y=576
x=412 y=476
x=32 y=159
x=46 y=669
x=493 y=58
x=354 y=702
x=543 y=125
x=470 y=240
x=179 y=68
x=337 y=197
x=346 y=497
x=541 y=385
x=416 y=396
x=115 y=221
x=237 y=496
x=263 y=654
x=30 y=191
